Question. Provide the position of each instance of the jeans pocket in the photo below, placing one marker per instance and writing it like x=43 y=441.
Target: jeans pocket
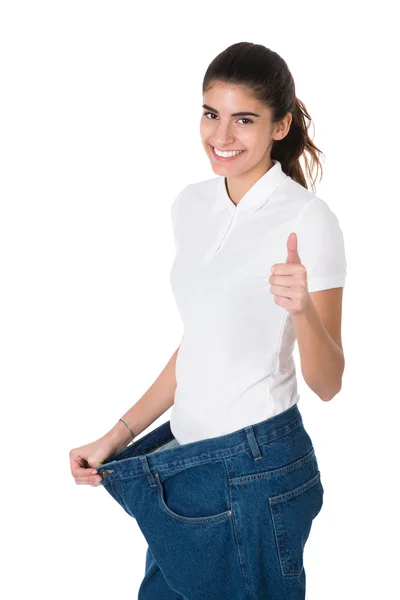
x=292 y=516
x=197 y=494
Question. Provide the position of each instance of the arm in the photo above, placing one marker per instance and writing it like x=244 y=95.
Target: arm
x=158 y=398
x=318 y=327
x=318 y=333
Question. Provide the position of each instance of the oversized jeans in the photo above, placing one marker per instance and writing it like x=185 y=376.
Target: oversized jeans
x=225 y=518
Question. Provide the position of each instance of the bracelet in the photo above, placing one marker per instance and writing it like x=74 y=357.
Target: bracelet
x=133 y=437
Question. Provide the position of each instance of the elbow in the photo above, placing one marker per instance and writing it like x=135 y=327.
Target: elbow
x=331 y=395
x=328 y=395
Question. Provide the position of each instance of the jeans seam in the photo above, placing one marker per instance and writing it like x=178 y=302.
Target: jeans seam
x=235 y=533
x=280 y=433
x=274 y=472
x=297 y=491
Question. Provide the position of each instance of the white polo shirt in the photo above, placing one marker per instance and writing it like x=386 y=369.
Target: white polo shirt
x=235 y=366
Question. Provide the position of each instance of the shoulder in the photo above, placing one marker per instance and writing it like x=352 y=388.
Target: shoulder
x=311 y=209
x=318 y=230
x=320 y=241
x=201 y=191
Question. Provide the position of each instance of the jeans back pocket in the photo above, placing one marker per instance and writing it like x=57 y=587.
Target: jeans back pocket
x=292 y=516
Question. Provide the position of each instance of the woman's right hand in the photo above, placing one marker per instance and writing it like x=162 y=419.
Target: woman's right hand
x=84 y=458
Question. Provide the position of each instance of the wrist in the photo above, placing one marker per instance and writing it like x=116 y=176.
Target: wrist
x=118 y=437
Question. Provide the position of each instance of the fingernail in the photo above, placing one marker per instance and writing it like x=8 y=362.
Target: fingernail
x=93 y=472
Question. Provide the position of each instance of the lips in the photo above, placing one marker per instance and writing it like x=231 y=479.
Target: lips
x=229 y=158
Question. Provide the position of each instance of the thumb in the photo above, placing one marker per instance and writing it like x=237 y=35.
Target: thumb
x=291 y=244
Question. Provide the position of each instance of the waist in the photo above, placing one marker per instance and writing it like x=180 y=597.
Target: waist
x=136 y=459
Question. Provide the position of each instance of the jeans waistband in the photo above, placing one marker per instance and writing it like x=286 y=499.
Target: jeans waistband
x=134 y=460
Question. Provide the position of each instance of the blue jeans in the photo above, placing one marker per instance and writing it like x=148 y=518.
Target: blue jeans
x=225 y=518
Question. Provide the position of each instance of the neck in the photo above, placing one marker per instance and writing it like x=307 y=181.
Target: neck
x=238 y=185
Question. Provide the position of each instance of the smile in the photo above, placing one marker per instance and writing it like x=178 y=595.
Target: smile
x=226 y=155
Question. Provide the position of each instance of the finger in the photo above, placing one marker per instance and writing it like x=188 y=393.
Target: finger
x=87 y=483
x=293 y=255
x=80 y=462
x=284 y=269
x=83 y=472
x=284 y=280
x=93 y=480
x=77 y=463
x=283 y=291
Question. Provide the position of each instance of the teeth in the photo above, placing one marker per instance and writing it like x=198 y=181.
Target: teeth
x=227 y=154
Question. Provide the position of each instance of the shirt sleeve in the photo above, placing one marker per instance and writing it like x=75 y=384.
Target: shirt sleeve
x=321 y=246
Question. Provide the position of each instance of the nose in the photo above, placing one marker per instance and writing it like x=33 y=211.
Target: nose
x=223 y=136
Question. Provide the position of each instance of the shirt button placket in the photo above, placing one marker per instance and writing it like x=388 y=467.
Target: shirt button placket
x=229 y=227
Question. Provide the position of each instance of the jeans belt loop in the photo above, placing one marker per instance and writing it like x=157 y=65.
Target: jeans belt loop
x=147 y=470
x=254 y=447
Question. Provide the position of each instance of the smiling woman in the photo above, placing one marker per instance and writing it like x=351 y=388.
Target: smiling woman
x=226 y=491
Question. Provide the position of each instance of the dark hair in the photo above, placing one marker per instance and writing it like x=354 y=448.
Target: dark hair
x=268 y=79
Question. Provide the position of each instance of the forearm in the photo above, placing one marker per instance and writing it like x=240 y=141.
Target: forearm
x=158 y=399
x=322 y=360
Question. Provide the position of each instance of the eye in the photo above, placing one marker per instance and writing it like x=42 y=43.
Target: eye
x=209 y=113
x=241 y=119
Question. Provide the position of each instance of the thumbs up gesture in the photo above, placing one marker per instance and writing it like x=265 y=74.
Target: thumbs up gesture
x=289 y=280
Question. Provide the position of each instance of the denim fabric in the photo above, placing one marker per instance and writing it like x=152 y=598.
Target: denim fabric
x=170 y=444
x=225 y=517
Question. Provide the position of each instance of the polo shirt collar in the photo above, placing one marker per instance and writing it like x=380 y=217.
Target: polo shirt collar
x=259 y=193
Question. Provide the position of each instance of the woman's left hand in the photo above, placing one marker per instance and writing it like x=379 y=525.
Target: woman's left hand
x=289 y=280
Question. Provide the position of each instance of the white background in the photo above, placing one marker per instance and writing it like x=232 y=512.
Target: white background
x=100 y=107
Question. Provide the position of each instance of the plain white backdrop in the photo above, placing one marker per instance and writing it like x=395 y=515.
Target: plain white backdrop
x=100 y=109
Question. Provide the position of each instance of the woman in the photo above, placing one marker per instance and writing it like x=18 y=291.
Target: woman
x=225 y=492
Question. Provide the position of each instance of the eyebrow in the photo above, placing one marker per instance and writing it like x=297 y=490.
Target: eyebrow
x=237 y=114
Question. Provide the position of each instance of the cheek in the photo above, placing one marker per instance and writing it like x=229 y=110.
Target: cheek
x=206 y=130
x=256 y=140
x=260 y=146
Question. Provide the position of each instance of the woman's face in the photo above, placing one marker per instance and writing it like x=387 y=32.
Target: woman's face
x=221 y=128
